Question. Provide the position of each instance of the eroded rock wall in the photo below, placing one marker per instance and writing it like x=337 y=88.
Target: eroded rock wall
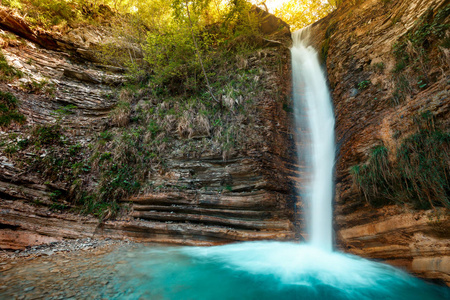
x=358 y=43
x=208 y=197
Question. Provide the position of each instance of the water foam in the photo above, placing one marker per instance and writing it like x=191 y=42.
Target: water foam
x=260 y=270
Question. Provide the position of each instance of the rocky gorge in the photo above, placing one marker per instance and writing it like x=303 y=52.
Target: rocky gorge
x=207 y=195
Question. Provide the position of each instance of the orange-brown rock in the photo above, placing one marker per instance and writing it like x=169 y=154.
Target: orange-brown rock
x=237 y=196
x=358 y=41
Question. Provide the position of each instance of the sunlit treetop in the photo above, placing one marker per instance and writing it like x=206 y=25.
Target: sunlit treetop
x=298 y=13
x=46 y=13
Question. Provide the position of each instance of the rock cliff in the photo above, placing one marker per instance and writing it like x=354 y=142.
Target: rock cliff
x=379 y=97
x=197 y=196
x=207 y=196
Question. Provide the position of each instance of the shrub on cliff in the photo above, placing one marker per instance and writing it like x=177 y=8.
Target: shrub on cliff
x=48 y=13
x=7 y=72
x=418 y=175
x=185 y=52
x=425 y=42
x=9 y=110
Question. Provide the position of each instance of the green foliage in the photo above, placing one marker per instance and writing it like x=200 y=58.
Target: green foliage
x=101 y=209
x=300 y=13
x=446 y=43
x=373 y=178
x=106 y=136
x=423 y=163
x=39 y=87
x=363 y=84
x=12 y=3
x=9 y=110
x=23 y=143
x=419 y=174
x=75 y=149
x=167 y=124
x=52 y=156
x=412 y=50
x=61 y=113
x=10 y=150
x=121 y=167
x=430 y=26
x=117 y=182
x=164 y=104
x=7 y=72
x=65 y=110
x=400 y=65
x=48 y=13
x=55 y=195
x=52 y=12
x=47 y=135
x=402 y=88
x=58 y=206
x=174 y=55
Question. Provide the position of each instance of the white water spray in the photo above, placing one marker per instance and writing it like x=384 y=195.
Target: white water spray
x=313 y=110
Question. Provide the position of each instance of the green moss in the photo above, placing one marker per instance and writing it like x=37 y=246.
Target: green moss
x=332 y=27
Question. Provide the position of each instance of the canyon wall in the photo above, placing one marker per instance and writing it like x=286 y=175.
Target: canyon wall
x=199 y=194
x=210 y=196
x=378 y=100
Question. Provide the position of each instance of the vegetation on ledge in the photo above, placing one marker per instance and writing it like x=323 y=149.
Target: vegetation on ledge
x=194 y=86
x=426 y=40
x=7 y=72
x=8 y=110
x=417 y=175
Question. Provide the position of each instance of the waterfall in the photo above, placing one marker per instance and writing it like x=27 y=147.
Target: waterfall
x=315 y=138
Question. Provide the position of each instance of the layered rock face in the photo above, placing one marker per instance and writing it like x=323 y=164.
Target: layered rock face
x=377 y=101
x=245 y=195
x=209 y=198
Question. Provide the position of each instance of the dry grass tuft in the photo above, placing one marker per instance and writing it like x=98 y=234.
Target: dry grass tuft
x=186 y=124
x=120 y=116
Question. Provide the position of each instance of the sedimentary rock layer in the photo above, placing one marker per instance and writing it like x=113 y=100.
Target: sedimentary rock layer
x=358 y=43
x=209 y=199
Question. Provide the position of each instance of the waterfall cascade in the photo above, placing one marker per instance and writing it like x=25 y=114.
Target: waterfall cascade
x=315 y=123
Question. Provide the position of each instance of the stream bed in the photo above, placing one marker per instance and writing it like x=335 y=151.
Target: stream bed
x=251 y=270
